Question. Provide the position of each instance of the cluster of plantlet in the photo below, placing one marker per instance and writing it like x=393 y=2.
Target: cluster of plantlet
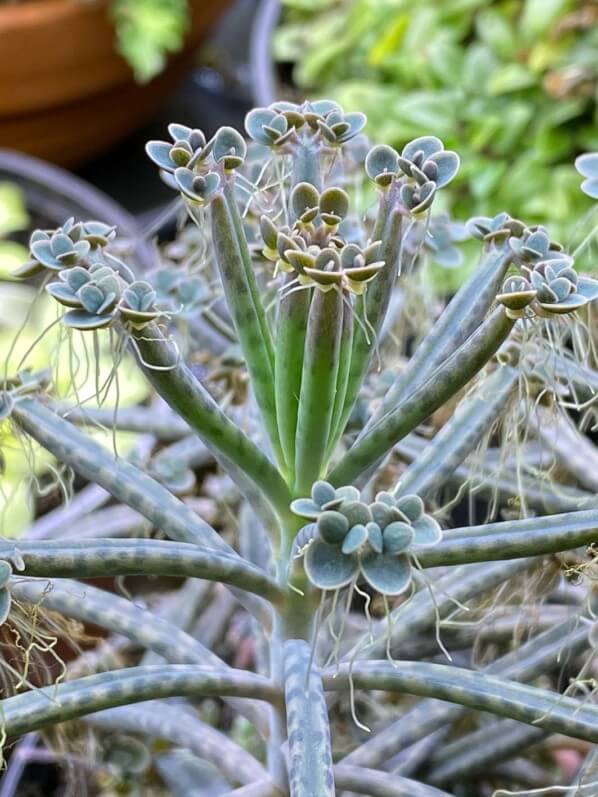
x=343 y=459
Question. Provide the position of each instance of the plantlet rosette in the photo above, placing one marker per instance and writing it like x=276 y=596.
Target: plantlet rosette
x=352 y=540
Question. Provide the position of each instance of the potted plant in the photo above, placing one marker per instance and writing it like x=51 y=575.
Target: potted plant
x=67 y=92
x=354 y=590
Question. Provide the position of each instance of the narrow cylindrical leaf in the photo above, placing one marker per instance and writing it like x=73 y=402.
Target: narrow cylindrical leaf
x=573 y=451
x=318 y=387
x=488 y=481
x=460 y=584
x=244 y=312
x=120 y=616
x=372 y=306
x=537 y=656
x=66 y=701
x=476 y=752
x=342 y=380
x=233 y=209
x=544 y=709
x=291 y=327
x=175 y=382
x=580 y=380
x=310 y=756
x=166 y=426
x=122 y=479
x=93 y=558
x=459 y=436
x=187 y=775
x=514 y=539
x=182 y=728
x=261 y=788
x=463 y=315
x=60 y=520
x=450 y=377
x=381 y=784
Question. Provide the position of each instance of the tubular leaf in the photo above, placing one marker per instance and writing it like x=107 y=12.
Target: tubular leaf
x=540 y=707
x=310 y=757
x=450 y=377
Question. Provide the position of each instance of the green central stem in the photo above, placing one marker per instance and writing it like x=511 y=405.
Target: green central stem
x=297 y=612
x=306 y=164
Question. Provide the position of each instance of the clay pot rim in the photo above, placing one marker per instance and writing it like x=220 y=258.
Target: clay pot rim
x=33 y=12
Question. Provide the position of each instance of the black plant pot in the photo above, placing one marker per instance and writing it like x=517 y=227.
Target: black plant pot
x=53 y=195
x=264 y=76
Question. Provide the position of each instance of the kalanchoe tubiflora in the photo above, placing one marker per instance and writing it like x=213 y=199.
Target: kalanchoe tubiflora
x=351 y=540
x=301 y=295
x=97 y=288
x=138 y=304
x=68 y=246
x=313 y=251
x=286 y=123
x=548 y=283
x=423 y=167
x=496 y=229
x=187 y=147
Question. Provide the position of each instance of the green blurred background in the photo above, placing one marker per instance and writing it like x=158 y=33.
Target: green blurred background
x=510 y=85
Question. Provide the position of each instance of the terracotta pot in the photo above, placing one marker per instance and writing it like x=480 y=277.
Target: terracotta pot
x=65 y=94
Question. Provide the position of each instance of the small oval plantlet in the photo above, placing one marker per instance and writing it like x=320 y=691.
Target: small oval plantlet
x=199 y=188
x=305 y=201
x=332 y=526
x=229 y=148
x=382 y=164
x=376 y=538
x=517 y=293
x=138 y=303
x=188 y=146
x=334 y=206
x=587 y=166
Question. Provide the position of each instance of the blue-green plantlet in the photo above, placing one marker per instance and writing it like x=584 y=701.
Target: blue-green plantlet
x=587 y=166
x=351 y=540
x=278 y=335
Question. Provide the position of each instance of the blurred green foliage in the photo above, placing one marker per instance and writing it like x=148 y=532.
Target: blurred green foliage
x=511 y=85
x=148 y=31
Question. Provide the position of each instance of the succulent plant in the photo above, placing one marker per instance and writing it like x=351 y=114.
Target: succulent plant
x=284 y=122
x=187 y=147
x=352 y=540
x=549 y=283
x=324 y=457
x=98 y=289
x=139 y=303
